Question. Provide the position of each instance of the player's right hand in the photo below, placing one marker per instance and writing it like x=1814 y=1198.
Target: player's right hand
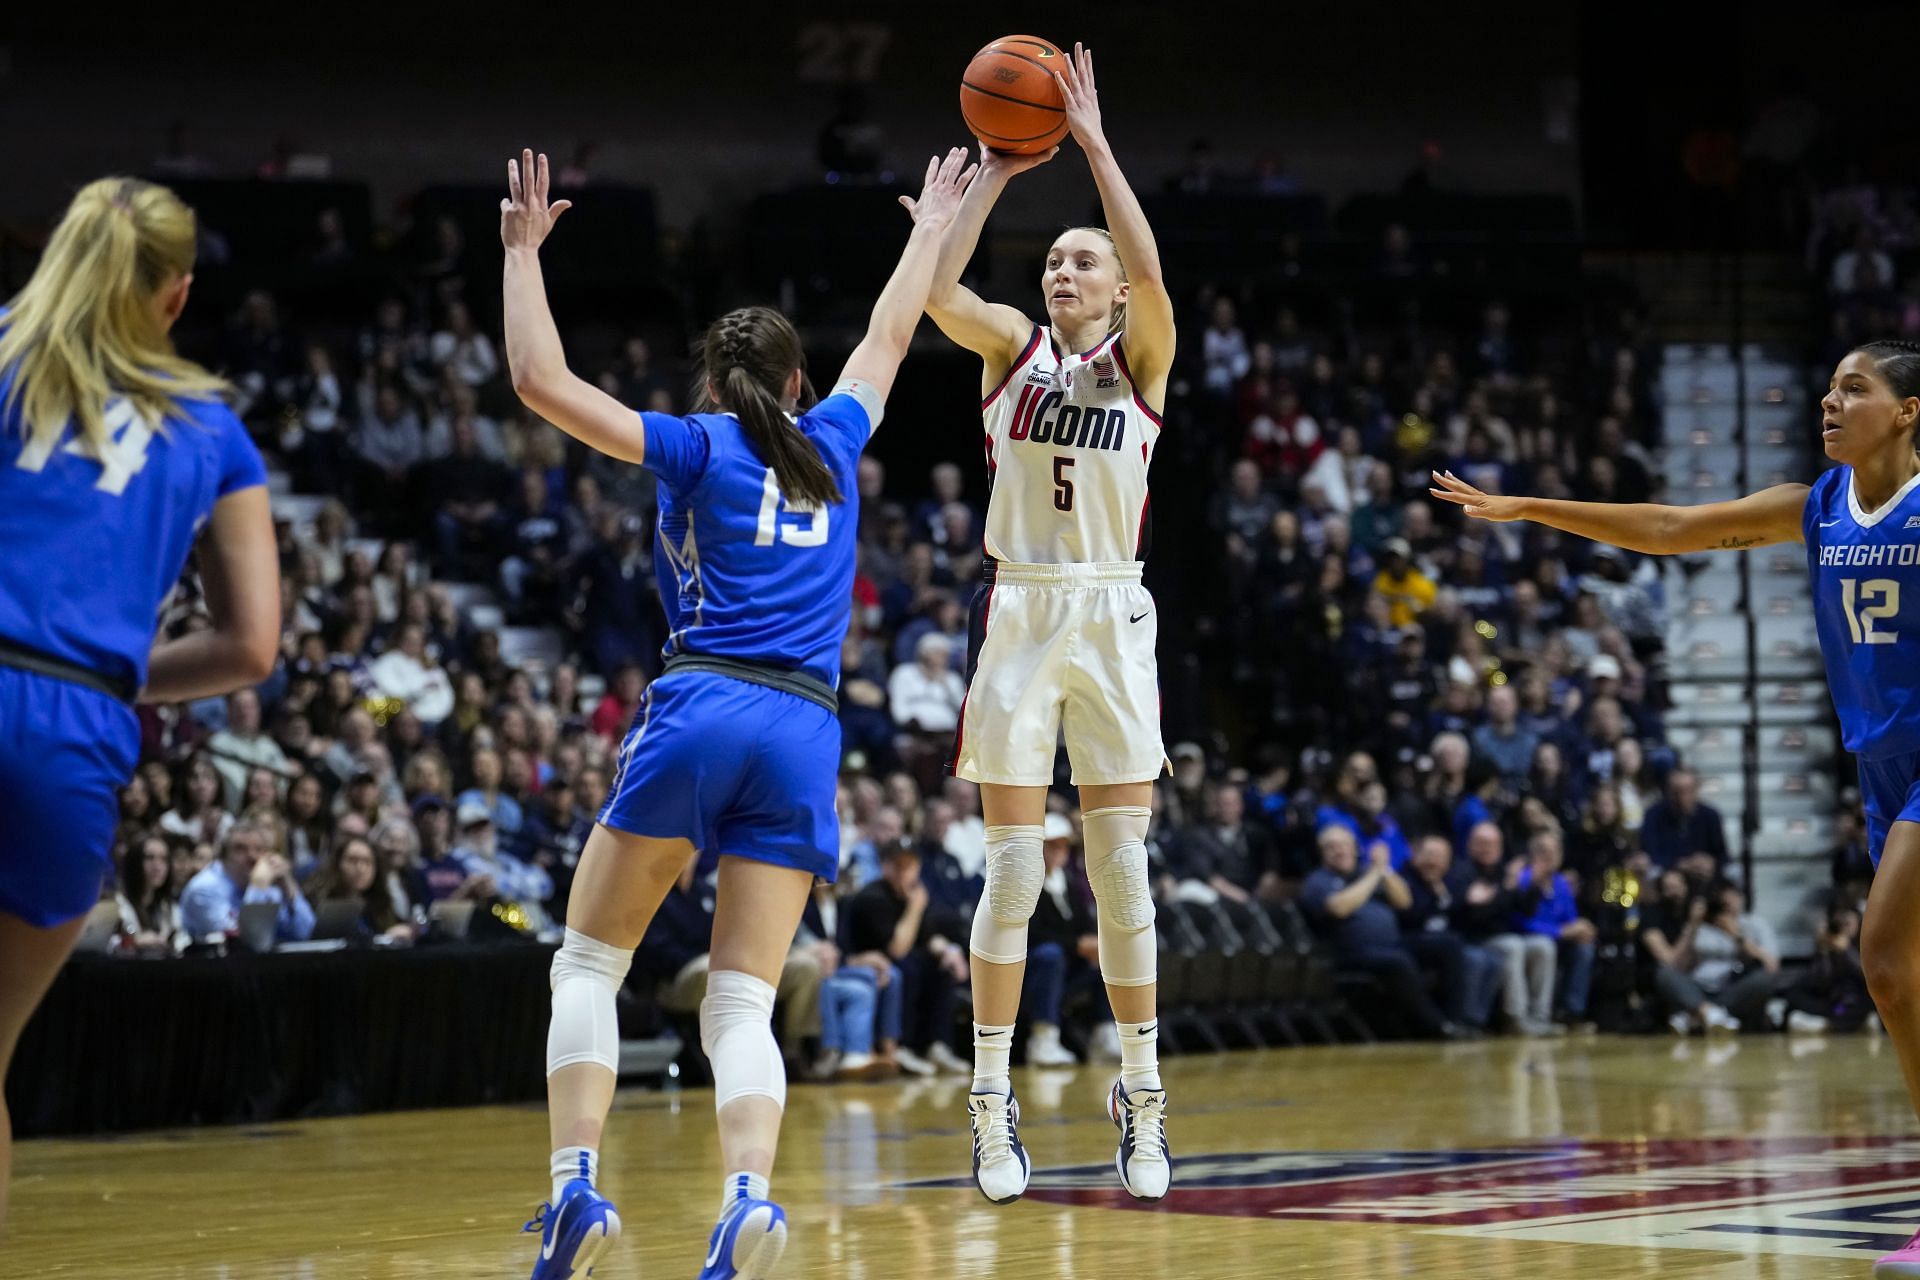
x=1481 y=506
x=526 y=216
x=1005 y=164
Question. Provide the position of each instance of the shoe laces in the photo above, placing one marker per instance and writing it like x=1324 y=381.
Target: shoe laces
x=993 y=1130
x=1149 y=1116
x=539 y=1222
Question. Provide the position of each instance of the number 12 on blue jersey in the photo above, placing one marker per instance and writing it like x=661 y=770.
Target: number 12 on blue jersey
x=1866 y=604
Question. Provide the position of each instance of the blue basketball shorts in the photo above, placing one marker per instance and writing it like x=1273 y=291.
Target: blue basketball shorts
x=734 y=767
x=1890 y=793
x=65 y=752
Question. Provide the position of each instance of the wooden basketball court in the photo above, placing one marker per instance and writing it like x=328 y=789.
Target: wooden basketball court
x=1588 y=1158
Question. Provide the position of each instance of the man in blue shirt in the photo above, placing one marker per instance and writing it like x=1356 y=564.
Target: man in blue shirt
x=1356 y=910
x=1365 y=814
x=1556 y=915
x=245 y=872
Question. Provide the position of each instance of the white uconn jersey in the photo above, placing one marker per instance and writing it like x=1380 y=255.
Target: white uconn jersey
x=1062 y=634
x=1068 y=444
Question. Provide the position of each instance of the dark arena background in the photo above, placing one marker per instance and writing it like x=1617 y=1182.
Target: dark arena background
x=1598 y=251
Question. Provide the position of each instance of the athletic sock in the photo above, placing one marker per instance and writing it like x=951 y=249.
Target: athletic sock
x=1139 y=1055
x=573 y=1162
x=992 y=1055
x=742 y=1186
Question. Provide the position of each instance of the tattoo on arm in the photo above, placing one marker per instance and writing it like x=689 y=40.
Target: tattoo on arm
x=1736 y=544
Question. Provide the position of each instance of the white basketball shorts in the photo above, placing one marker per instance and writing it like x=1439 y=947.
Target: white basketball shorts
x=1062 y=645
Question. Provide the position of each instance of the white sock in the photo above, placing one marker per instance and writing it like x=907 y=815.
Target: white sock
x=1139 y=1055
x=573 y=1162
x=992 y=1050
x=749 y=1186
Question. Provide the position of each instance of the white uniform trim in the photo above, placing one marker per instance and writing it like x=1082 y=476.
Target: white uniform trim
x=1867 y=519
x=1124 y=573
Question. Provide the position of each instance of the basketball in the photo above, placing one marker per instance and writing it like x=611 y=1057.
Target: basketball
x=1010 y=98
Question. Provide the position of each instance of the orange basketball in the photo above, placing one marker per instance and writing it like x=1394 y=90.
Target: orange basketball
x=1009 y=96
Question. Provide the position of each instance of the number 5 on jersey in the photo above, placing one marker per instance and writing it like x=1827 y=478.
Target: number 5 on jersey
x=812 y=534
x=1866 y=604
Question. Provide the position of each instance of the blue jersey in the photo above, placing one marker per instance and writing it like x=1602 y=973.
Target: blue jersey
x=1866 y=597
x=751 y=578
x=90 y=548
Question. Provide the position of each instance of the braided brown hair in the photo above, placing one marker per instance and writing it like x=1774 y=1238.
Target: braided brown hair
x=1897 y=361
x=745 y=361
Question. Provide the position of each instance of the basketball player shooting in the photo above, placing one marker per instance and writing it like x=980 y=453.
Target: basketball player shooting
x=1062 y=630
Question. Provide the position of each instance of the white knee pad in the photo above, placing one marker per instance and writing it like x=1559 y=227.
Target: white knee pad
x=585 y=977
x=1015 y=870
x=736 y=1030
x=1117 y=869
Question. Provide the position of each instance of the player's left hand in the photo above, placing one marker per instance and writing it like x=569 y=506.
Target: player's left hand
x=1082 y=98
x=1482 y=506
x=526 y=216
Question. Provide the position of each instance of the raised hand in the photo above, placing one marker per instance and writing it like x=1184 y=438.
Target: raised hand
x=1083 y=99
x=526 y=216
x=940 y=194
x=1481 y=506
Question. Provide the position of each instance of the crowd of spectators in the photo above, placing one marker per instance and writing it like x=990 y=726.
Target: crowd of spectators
x=1444 y=764
x=1863 y=248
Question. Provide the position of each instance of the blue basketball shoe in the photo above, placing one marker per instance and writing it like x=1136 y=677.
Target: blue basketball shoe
x=747 y=1242
x=574 y=1235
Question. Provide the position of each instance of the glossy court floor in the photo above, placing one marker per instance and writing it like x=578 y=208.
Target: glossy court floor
x=1590 y=1158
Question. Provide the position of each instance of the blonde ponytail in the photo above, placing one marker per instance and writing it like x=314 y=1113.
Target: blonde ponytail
x=86 y=328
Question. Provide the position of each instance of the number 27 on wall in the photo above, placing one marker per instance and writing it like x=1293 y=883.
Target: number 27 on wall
x=1866 y=604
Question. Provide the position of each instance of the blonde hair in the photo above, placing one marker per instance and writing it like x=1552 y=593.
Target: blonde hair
x=85 y=327
x=1117 y=320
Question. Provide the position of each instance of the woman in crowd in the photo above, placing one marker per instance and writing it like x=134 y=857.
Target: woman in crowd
x=309 y=824
x=198 y=815
x=396 y=844
x=149 y=904
x=354 y=873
